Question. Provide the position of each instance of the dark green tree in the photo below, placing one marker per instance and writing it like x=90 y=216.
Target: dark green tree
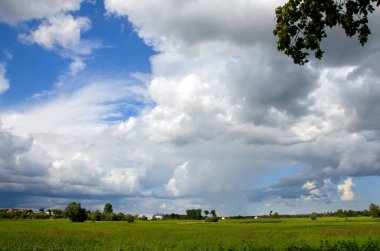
x=301 y=24
x=314 y=216
x=194 y=214
x=213 y=213
x=107 y=208
x=206 y=212
x=95 y=216
x=75 y=212
x=374 y=210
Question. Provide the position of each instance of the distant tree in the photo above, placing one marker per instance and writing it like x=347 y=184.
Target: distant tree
x=270 y=213
x=340 y=213
x=95 y=216
x=206 y=212
x=194 y=214
x=365 y=212
x=144 y=218
x=107 y=208
x=42 y=210
x=75 y=212
x=110 y=217
x=211 y=219
x=213 y=213
x=129 y=218
x=301 y=24
x=275 y=215
x=374 y=210
x=314 y=216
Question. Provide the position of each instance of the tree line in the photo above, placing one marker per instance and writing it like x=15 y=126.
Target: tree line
x=76 y=213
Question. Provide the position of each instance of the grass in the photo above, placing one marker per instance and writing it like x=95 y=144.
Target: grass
x=281 y=234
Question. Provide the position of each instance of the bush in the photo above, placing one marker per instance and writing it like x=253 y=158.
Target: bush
x=129 y=218
x=75 y=213
x=41 y=216
x=144 y=218
x=109 y=217
x=211 y=219
x=313 y=216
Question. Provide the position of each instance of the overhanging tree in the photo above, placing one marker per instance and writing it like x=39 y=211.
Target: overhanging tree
x=301 y=24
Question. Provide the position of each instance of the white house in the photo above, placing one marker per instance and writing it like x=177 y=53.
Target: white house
x=158 y=217
x=152 y=216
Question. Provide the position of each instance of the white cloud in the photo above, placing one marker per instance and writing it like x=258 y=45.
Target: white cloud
x=181 y=172
x=310 y=185
x=62 y=30
x=12 y=11
x=186 y=24
x=4 y=81
x=347 y=190
x=76 y=66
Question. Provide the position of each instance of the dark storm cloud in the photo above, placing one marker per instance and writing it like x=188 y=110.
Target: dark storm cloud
x=263 y=81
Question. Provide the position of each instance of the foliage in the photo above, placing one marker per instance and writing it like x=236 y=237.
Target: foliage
x=75 y=212
x=194 y=214
x=301 y=24
x=211 y=219
x=129 y=218
x=374 y=210
x=206 y=212
x=144 y=218
x=109 y=217
x=107 y=208
x=95 y=216
x=314 y=216
x=213 y=213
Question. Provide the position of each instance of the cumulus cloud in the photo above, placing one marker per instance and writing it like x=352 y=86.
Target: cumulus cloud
x=187 y=24
x=347 y=190
x=12 y=11
x=4 y=81
x=68 y=157
x=62 y=30
x=56 y=29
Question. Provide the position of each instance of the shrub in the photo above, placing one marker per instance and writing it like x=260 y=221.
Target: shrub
x=313 y=216
x=75 y=213
x=144 y=218
x=129 y=218
x=211 y=219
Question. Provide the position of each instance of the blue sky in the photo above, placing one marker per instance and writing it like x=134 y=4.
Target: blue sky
x=170 y=105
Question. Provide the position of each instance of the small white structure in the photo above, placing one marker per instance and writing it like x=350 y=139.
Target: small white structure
x=158 y=217
x=151 y=216
x=148 y=216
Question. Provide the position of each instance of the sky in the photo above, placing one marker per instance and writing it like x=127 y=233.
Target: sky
x=163 y=106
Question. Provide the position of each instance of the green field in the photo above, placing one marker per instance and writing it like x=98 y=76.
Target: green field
x=277 y=234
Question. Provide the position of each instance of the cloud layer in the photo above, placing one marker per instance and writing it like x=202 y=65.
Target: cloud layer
x=223 y=121
x=19 y=10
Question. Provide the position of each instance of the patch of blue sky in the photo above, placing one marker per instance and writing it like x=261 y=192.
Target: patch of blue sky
x=365 y=190
x=280 y=172
x=29 y=67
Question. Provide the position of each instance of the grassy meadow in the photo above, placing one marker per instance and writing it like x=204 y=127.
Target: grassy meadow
x=260 y=234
